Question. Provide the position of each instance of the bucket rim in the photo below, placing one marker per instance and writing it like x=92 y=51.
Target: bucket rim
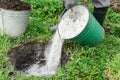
x=2 y=9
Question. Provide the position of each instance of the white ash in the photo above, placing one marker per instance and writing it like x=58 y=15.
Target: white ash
x=52 y=56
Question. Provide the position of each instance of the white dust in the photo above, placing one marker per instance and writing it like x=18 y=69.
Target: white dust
x=52 y=56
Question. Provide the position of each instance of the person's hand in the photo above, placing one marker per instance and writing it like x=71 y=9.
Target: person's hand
x=69 y=3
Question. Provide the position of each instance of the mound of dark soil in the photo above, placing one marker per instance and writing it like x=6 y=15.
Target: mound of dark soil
x=27 y=54
x=14 y=5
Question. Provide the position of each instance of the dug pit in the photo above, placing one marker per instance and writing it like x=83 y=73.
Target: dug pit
x=25 y=55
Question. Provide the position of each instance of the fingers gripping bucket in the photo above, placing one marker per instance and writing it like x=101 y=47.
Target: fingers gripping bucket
x=80 y=26
x=13 y=23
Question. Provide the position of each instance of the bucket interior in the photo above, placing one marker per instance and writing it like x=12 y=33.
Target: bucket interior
x=73 y=22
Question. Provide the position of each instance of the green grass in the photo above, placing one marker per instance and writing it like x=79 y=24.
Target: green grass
x=87 y=63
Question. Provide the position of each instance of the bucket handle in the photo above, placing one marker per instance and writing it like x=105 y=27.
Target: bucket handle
x=59 y=18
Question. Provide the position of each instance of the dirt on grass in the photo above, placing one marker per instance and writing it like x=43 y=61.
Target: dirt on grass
x=14 y=5
x=115 y=4
x=27 y=54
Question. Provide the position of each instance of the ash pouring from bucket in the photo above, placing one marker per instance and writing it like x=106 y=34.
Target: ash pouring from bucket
x=52 y=56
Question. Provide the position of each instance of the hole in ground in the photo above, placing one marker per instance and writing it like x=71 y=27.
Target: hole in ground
x=23 y=56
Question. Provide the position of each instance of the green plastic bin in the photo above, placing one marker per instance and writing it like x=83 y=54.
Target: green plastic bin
x=91 y=33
